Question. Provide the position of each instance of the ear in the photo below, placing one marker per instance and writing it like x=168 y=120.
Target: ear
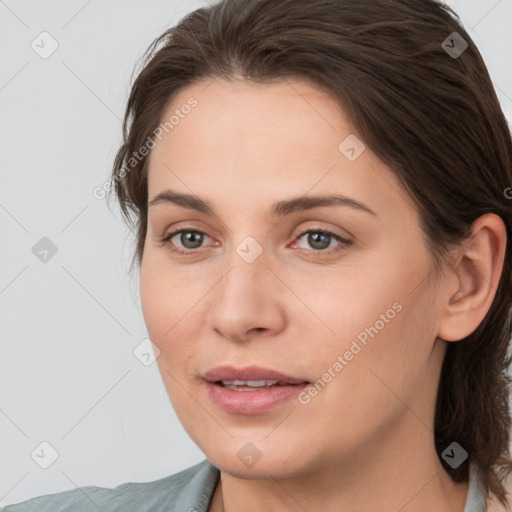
x=477 y=271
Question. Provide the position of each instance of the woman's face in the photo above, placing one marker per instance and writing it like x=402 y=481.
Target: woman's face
x=347 y=317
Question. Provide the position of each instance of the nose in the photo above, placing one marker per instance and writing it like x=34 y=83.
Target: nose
x=247 y=302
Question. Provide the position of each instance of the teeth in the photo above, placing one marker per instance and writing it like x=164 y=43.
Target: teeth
x=249 y=383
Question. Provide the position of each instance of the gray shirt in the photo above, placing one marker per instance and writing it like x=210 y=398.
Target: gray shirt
x=190 y=490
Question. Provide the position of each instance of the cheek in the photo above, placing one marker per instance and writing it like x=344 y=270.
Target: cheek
x=173 y=306
x=339 y=306
x=156 y=304
x=162 y=296
x=164 y=307
x=373 y=316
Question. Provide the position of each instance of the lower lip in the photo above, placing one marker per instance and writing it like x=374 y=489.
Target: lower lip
x=252 y=402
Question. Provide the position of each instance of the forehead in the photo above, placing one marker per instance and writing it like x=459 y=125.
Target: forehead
x=268 y=139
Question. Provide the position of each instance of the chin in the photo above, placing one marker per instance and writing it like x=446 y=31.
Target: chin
x=246 y=459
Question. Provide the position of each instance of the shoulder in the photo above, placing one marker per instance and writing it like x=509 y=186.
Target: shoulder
x=191 y=488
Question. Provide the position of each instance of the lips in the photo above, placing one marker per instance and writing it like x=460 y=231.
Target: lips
x=251 y=373
x=250 y=390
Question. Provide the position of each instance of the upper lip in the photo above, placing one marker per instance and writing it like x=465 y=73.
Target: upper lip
x=249 y=373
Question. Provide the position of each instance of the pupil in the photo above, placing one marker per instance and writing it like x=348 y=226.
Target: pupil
x=313 y=240
x=191 y=236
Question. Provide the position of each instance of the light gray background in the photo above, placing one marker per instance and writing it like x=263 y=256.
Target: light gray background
x=68 y=375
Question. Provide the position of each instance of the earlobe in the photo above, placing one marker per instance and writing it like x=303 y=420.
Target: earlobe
x=478 y=274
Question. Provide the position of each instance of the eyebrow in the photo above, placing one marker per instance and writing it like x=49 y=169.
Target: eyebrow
x=280 y=208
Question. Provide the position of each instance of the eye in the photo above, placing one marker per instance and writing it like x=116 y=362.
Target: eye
x=320 y=240
x=190 y=239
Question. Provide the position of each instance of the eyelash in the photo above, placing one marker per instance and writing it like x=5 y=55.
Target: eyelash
x=343 y=242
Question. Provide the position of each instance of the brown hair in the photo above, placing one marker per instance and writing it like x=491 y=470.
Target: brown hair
x=432 y=116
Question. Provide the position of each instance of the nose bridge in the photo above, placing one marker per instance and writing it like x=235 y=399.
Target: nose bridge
x=246 y=266
x=242 y=300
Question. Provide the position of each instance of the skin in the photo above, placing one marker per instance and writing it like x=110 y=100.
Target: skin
x=365 y=442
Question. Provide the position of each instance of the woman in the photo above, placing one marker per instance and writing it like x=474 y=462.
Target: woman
x=319 y=195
